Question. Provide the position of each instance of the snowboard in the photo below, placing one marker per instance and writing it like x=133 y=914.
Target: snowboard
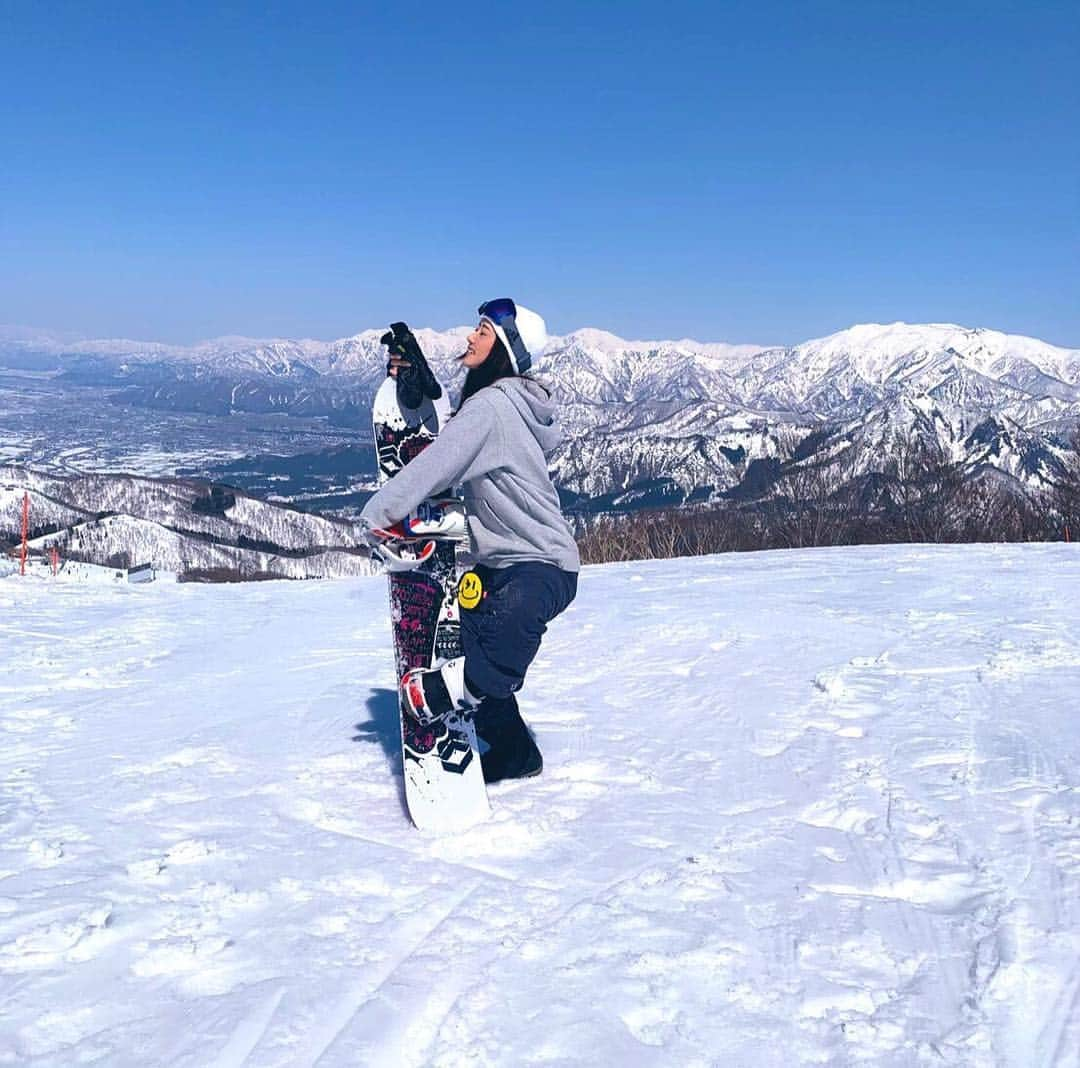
x=444 y=782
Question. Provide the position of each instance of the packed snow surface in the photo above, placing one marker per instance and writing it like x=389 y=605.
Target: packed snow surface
x=799 y=808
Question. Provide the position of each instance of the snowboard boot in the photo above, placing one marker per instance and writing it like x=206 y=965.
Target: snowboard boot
x=430 y=693
x=512 y=751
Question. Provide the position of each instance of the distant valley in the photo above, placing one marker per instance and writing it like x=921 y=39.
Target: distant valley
x=647 y=423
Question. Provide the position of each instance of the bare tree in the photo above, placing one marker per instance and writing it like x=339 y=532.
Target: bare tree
x=1066 y=492
x=808 y=506
x=663 y=534
x=925 y=487
x=919 y=494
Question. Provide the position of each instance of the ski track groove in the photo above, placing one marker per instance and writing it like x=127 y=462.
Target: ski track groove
x=1061 y=1018
x=248 y=1033
x=464 y=979
x=965 y=986
x=469 y=866
x=354 y=1004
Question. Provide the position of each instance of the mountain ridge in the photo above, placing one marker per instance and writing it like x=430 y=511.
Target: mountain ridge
x=13 y=337
x=685 y=414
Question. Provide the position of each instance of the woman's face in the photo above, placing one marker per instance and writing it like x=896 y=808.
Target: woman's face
x=481 y=341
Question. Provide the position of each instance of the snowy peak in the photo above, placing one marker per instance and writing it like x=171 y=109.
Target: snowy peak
x=878 y=353
x=639 y=410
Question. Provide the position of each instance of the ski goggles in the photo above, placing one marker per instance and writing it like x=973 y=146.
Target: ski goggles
x=502 y=314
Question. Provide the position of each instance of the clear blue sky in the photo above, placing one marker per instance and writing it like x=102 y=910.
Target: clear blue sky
x=758 y=172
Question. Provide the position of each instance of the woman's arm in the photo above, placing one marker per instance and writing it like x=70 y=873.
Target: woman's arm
x=466 y=448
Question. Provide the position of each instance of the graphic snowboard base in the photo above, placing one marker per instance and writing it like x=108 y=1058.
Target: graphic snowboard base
x=444 y=782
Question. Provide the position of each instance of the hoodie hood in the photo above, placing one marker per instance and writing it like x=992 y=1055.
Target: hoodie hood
x=536 y=407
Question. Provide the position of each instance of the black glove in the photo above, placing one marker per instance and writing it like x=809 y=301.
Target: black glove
x=416 y=381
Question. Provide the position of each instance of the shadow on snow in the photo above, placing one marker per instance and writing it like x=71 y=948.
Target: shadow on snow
x=384 y=726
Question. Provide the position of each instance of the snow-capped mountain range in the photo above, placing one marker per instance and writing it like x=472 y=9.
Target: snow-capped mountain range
x=651 y=421
x=175 y=525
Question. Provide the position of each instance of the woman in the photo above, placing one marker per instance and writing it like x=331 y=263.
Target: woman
x=526 y=561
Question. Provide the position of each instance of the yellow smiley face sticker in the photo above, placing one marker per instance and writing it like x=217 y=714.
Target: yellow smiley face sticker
x=470 y=590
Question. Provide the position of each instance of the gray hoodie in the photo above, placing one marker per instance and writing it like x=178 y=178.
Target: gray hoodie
x=496 y=448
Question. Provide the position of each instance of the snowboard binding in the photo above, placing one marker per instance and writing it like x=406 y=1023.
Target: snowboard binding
x=432 y=694
x=410 y=543
x=404 y=558
x=395 y=550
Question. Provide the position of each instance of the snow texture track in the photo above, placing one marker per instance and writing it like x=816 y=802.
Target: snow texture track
x=798 y=808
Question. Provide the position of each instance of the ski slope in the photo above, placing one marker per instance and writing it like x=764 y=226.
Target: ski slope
x=799 y=808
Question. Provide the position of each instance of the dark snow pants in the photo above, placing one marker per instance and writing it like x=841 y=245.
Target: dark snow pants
x=501 y=635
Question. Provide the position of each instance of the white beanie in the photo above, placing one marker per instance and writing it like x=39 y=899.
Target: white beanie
x=533 y=330
x=523 y=333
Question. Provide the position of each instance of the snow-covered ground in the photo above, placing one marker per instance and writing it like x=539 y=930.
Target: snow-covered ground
x=799 y=808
